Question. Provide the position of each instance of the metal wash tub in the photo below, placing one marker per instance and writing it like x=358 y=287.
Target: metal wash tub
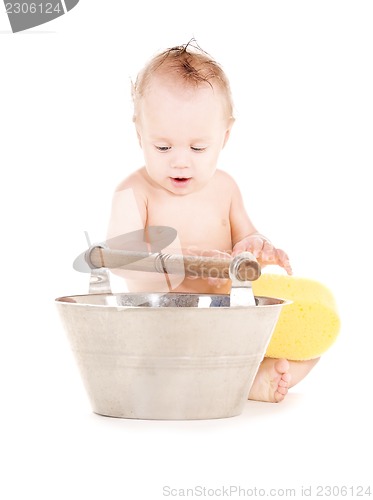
x=170 y=355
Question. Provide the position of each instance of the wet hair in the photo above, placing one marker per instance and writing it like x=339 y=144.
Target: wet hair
x=189 y=65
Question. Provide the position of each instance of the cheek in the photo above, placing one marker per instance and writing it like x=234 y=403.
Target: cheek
x=212 y=159
x=207 y=166
x=153 y=162
x=149 y=154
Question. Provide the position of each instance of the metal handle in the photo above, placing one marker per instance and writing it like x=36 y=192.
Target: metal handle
x=243 y=268
x=241 y=290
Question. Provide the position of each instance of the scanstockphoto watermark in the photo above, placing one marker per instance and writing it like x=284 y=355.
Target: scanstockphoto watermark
x=304 y=491
x=228 y=491
x=26 y=14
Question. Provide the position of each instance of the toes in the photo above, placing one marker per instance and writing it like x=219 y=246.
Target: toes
x=280 y=396
x=283 y=383
x=282 y=390
x=272 y=381
x=282 y=366
x=286 y=377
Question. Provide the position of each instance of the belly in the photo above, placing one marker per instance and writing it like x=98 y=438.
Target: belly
x=202 y=229
x=202 y=285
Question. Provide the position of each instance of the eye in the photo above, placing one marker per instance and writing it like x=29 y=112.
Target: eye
x=163 y=148
x=198 y=150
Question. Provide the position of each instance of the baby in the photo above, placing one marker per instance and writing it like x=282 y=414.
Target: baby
x=183 y=114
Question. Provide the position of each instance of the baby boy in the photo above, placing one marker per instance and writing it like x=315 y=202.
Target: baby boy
x=183 y=114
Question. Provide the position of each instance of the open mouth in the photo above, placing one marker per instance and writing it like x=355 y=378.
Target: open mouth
x=180 y=181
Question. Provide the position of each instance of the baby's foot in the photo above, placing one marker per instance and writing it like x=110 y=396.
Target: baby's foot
x=272 y=381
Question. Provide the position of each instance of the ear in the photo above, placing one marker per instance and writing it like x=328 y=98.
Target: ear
x=228 y=131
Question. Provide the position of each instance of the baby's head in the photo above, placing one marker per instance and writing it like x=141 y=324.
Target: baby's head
x=183 y=114
x=186 y=66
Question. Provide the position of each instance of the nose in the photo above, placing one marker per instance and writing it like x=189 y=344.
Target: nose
x=180 y=159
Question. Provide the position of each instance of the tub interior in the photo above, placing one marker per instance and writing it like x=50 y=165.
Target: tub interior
x=160 y=300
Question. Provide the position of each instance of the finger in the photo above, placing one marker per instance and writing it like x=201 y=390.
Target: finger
x=238 y=248
x=253 y=244
x=283 y=261
x=256 y=246
x=268 y=255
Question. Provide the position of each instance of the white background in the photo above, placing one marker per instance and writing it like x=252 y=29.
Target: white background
x=301 y=150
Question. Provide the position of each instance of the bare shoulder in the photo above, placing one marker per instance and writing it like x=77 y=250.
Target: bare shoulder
x=136 y=180
x=226 y=181
x=129 y=205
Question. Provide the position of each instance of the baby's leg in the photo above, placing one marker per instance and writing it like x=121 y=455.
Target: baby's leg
x=306 y=328
x=299 y=369
x=276 y=376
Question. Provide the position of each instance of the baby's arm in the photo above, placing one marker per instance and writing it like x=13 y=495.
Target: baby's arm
x=128 y=214
x=128 y=210
x=129 y=218
x=245 y=238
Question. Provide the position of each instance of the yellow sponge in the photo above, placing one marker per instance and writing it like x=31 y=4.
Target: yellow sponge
x=307 y=327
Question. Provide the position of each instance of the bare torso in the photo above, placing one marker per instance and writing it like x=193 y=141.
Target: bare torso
x=201 y=218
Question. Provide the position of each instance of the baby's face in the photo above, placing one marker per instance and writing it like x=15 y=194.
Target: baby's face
x=182 y=131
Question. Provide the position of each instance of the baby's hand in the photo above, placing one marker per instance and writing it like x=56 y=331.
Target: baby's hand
x=264 y=251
